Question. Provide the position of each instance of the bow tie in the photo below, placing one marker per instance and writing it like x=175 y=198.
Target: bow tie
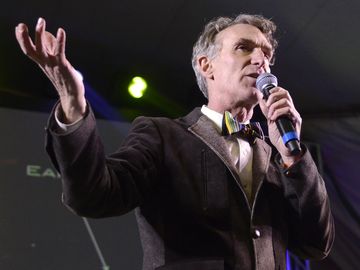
x=248 y=132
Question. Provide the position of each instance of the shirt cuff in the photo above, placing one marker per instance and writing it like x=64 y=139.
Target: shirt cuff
x=65 y=128
x=286 y=169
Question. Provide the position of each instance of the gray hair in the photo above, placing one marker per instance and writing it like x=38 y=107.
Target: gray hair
x=206 y=46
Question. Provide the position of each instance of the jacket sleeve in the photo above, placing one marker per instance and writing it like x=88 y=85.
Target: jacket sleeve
x=98 y=186
x=310 y=222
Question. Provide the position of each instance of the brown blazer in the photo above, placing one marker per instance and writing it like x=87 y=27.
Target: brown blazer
x=191 y=210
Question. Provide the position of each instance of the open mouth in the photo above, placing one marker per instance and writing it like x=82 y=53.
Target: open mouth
x=253 y=75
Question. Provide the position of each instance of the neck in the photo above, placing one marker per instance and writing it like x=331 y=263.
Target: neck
x=243 y=113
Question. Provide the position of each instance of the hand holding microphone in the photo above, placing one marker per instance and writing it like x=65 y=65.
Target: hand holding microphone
x=265 y=82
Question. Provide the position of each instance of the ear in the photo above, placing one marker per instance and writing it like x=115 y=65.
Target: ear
x=205 y=67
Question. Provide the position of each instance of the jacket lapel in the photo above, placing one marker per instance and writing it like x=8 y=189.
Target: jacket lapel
x=261 y=161
x=203 y=128
x=206 y=130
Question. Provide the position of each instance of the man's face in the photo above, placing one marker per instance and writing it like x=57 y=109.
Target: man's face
x=244 y=54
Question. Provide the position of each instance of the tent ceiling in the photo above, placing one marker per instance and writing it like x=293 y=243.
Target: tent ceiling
x=110 y=41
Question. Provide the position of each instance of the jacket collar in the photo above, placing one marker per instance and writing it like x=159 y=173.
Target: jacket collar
x=203 y=128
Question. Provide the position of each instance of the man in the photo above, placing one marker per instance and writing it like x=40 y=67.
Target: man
x=203 y=200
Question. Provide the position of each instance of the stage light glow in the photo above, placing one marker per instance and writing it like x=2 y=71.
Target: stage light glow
x=137 y=87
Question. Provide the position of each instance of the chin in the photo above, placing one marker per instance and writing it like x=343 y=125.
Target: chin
x=254 y=92
x=248 y=95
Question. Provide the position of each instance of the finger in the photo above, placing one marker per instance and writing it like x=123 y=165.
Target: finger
x=24 y=40
x=279 y=104
x=49 y=43
x=39 y=33
x=276 y=94
x=288 y=112
x=60 y=45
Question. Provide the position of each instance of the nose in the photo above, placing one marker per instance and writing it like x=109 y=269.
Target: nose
x=259 y=59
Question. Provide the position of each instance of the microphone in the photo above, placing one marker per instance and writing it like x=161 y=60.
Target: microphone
x=264 y=83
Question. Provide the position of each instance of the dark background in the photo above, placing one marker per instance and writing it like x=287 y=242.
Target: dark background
x=36 y=230
x=111 y=41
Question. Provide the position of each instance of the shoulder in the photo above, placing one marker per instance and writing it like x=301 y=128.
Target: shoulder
x=166 y=122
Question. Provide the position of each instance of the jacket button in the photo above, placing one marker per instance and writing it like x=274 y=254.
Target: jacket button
x=255 y=233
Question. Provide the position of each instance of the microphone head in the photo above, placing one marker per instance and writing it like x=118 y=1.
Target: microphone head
x=264 y=80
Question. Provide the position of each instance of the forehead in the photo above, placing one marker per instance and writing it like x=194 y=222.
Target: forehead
x=234 y=33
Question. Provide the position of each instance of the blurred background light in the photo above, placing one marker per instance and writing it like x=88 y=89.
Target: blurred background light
x=137 y=87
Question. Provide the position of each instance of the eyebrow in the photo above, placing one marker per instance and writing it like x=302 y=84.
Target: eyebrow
x=254 y=44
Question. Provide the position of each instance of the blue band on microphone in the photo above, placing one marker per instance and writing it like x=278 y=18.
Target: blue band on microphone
x=290 y=136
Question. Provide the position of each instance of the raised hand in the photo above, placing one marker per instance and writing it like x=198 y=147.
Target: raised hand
x=49 y=53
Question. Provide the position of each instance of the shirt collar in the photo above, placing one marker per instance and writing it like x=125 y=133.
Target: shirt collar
x=215 y=116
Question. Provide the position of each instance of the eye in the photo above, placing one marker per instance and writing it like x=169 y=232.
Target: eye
x=244 y=47
x=267 y=54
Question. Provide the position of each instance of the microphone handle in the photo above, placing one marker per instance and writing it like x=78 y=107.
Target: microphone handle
x=285 y=127
x=288 y=134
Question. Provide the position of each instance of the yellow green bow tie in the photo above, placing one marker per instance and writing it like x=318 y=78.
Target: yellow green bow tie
x=249 y=132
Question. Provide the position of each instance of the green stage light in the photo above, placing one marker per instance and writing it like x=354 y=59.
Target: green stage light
x=137 y=87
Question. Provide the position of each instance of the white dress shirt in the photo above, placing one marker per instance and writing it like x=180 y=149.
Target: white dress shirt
x=240 y=151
